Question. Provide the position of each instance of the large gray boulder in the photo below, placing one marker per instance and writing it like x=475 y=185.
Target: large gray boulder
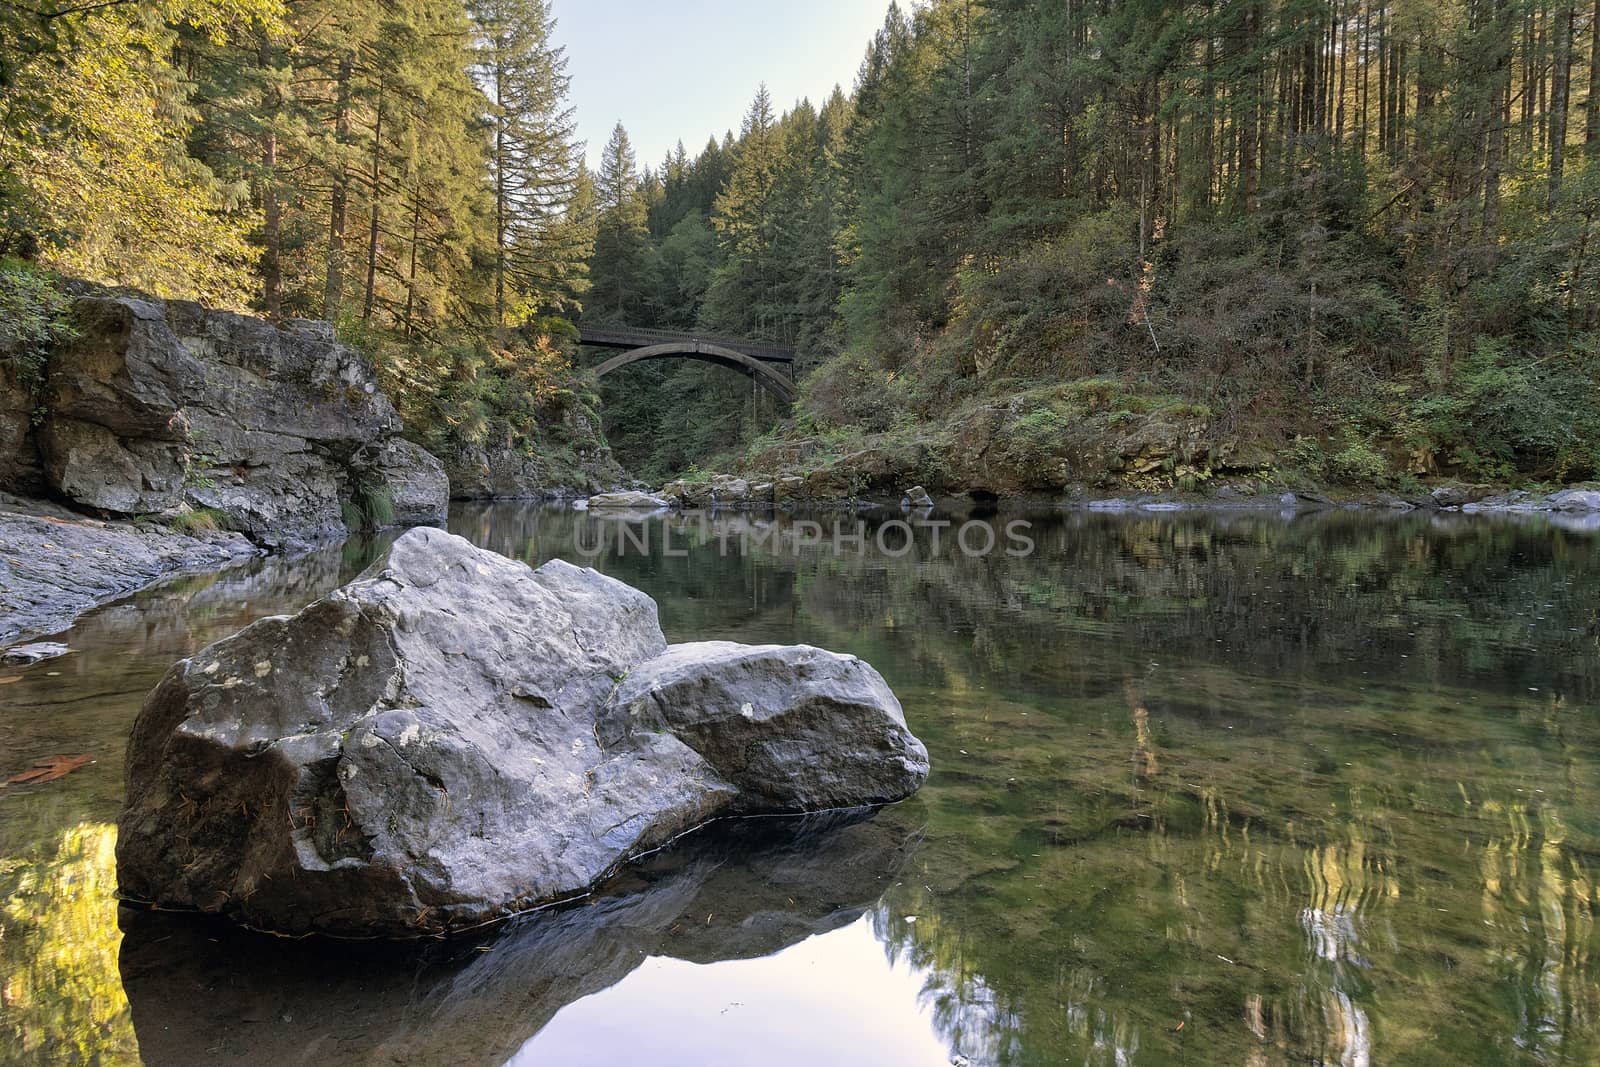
x=124 y=369
x=90 y=465
x=114 y=433
x=455 y=737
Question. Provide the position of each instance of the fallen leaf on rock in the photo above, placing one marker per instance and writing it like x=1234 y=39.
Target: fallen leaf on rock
x=8 y=679
x=49 y=769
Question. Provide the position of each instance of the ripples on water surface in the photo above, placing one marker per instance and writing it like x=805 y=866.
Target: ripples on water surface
x=1223 y=787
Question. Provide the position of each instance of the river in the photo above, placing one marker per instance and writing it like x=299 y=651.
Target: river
x=1207 y=787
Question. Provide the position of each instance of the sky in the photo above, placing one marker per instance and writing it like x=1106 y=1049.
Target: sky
x=689 y=68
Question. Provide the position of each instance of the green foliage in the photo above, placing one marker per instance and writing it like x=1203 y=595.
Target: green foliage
x=1360 y=462
x=1505 y=412
x=1171 y=211
x=33 y=320
x=198 y=521
x=98 y=180
x=370 y=507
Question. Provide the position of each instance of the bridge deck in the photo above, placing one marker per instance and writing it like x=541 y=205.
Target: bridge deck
x=632 y=337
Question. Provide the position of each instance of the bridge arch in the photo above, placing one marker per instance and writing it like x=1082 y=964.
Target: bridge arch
x=706 y=352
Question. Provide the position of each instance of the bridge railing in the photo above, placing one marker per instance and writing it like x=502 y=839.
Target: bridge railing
x=632 y=337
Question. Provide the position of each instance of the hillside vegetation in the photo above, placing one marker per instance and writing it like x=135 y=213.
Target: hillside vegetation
x=1039 y=243
x=1045 y=242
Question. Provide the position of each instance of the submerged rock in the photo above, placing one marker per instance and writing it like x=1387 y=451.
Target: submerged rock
x=22 y=655
x=455 y=737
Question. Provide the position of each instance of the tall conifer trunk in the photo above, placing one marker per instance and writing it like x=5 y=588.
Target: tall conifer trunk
x=339 y=202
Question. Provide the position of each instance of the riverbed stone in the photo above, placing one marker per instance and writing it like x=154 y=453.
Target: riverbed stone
x=692 y=495
x=55 y=565
x=455 y=737
x=771 y=719
x=1454 y=496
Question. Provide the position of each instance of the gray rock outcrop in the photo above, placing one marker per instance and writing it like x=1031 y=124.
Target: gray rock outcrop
x=720 y=491
x=419 y=489
x=569 y=458
x=1575 y=500
x=453 y=738
x=154 y=407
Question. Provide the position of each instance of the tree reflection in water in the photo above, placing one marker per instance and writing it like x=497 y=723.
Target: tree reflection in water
x=1206 y=787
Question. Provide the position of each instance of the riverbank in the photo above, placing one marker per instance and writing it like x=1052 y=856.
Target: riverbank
x=790 y=491
x=55 y=564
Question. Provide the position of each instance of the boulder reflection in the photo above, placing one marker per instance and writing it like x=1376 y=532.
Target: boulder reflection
x=205 y=992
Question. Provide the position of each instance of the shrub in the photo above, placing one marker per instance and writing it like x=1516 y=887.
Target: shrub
x=1506 y=414
x=1360 y=462
x=33 y=319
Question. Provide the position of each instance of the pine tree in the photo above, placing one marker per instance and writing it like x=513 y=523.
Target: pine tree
x=619 y=271
x=742 y=292
x=539 y=262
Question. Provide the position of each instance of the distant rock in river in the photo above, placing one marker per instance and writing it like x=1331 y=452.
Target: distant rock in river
x=455 y=737
x=626 y=500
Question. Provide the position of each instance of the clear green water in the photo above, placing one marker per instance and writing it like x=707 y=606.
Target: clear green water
x=1207 y=788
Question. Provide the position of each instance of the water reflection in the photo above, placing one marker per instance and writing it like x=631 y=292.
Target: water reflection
x=1234 y=787
x=204 y=993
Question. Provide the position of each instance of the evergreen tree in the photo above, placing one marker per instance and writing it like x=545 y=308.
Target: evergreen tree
x=619 y=271
x=539 y=260
x=742 y=294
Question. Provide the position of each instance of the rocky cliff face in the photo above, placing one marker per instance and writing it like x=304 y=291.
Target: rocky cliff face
x=570 y=459
x=156 y=408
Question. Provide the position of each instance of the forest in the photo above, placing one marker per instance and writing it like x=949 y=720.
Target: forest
x=1353 y=234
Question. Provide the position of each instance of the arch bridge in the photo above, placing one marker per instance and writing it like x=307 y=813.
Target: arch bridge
x=757 y=360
